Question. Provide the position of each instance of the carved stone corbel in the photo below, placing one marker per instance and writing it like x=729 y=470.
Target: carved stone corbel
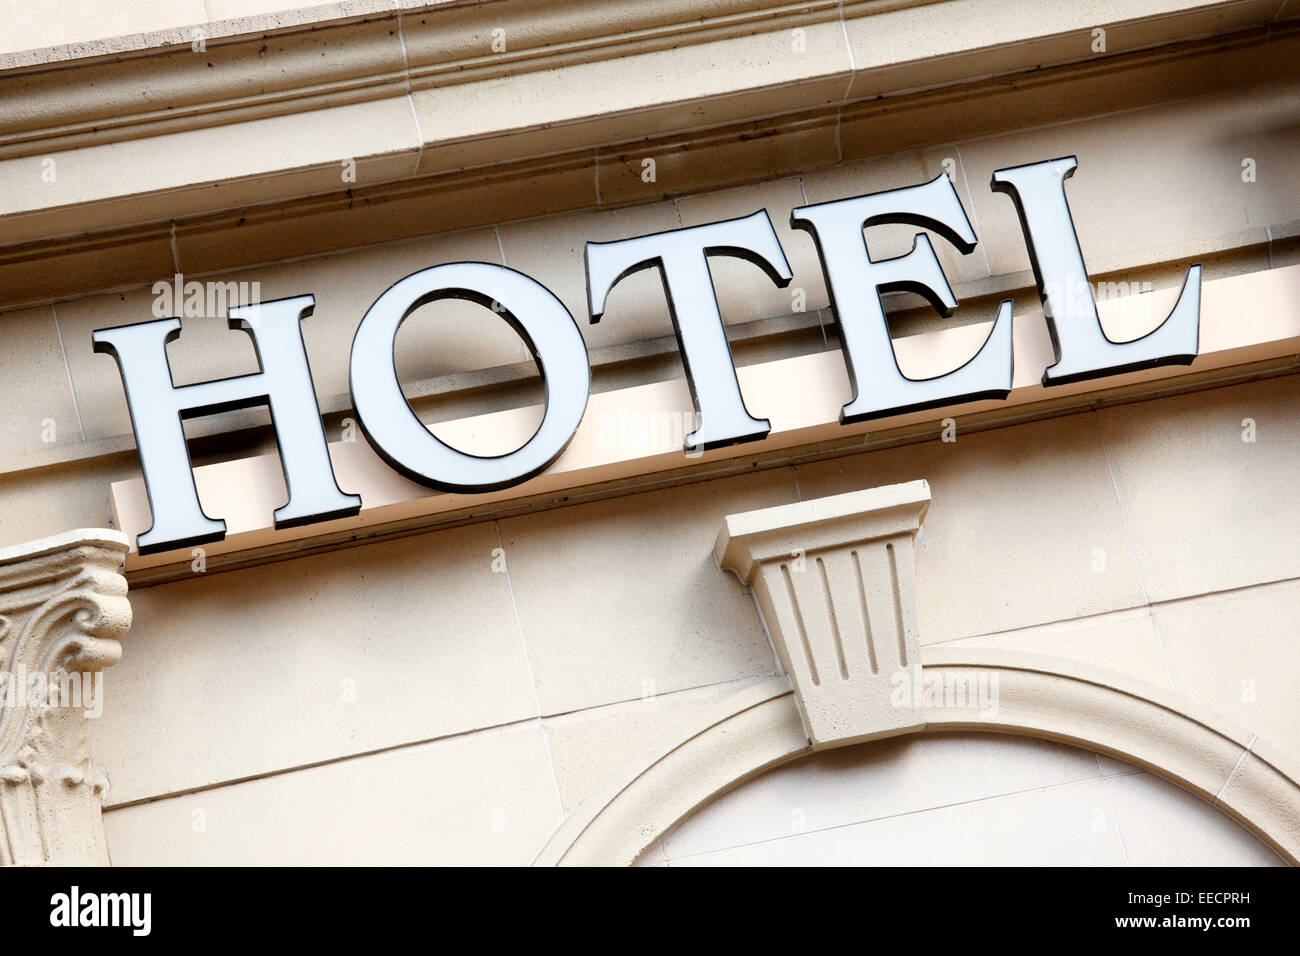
x=834 y=580
x=63 y=607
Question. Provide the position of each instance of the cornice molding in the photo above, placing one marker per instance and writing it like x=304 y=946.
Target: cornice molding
x=376 y=57
x=181 y=34
x=67 y=252
x=313 y=65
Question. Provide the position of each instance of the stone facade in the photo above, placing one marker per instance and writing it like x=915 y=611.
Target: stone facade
x=569 y=674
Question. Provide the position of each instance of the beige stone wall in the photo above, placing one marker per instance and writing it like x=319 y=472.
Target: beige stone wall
x=1145 y=538
x=448 y=696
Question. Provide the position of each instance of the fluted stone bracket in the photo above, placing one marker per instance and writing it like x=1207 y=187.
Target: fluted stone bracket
x=63 y=607
x=834 y=579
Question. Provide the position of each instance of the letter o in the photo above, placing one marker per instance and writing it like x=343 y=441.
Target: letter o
x=404 y=442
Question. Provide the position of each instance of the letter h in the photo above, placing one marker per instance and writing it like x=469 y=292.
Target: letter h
x=159 y=408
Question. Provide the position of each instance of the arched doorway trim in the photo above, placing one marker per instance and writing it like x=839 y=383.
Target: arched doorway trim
x=760 y=727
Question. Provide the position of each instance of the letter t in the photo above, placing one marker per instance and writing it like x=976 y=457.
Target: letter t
x=681 y=256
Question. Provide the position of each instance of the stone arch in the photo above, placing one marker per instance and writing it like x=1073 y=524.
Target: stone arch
x=761 y=727
x=833 y=580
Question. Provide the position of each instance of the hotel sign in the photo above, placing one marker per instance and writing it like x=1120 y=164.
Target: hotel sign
x=854 y=280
